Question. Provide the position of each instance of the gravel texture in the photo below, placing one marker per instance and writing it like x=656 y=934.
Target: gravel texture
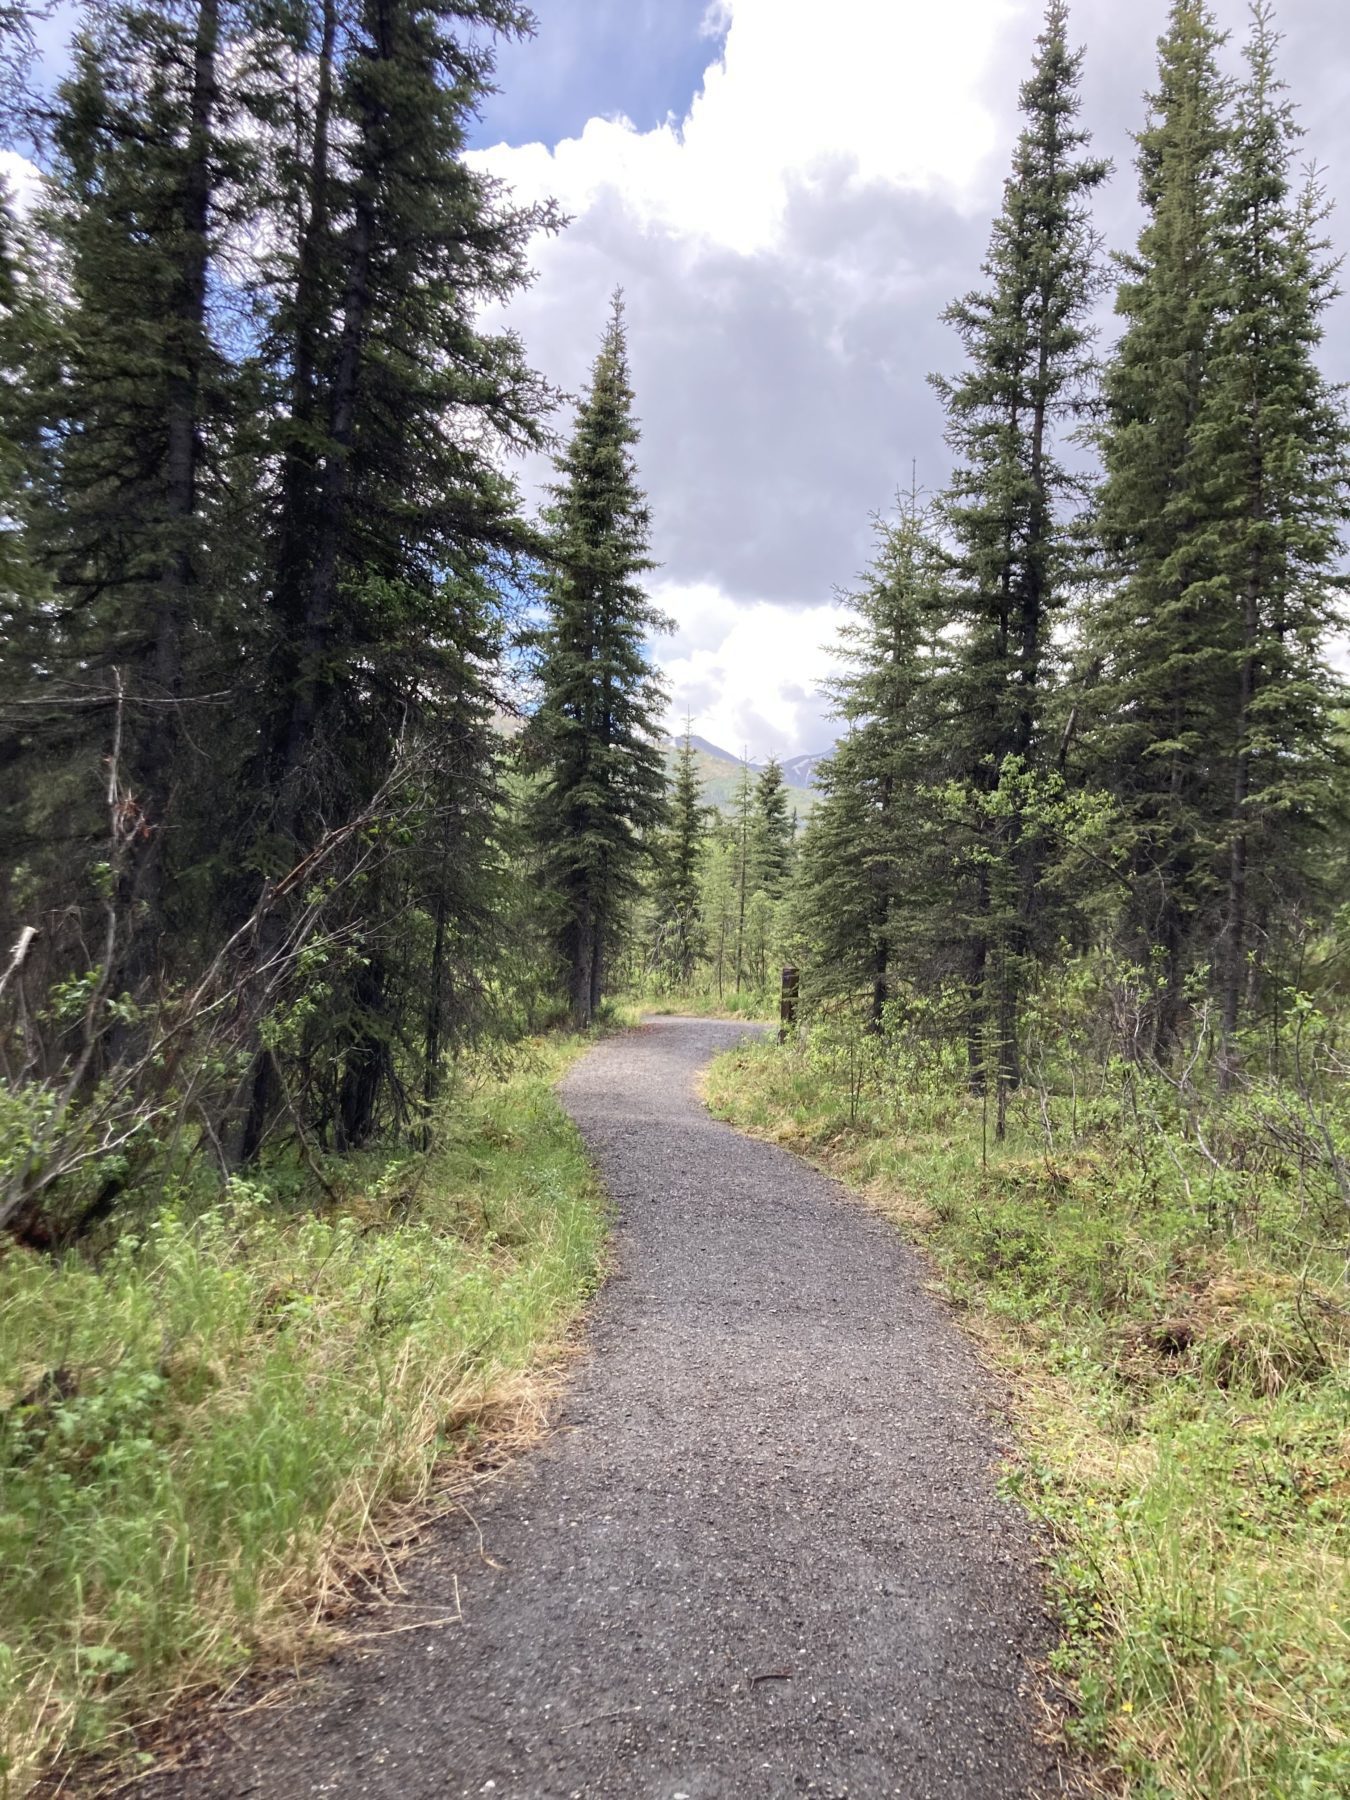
x=763 y=1553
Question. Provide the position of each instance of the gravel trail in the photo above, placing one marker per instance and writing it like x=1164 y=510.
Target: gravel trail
x=762 y=1556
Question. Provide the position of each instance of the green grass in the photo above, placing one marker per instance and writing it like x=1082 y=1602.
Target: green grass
x=206 y=1431
x=745 y=1003
x=1176 y=1339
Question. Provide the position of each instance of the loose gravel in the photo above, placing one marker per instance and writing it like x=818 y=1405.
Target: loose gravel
x=763 y=1553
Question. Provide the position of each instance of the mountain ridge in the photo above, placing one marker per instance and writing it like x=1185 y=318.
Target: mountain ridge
x=719 y=772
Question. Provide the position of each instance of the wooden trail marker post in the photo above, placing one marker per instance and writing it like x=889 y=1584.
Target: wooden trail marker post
x=787 y=1005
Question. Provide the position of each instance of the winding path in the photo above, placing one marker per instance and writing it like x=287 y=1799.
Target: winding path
x=763 y=1556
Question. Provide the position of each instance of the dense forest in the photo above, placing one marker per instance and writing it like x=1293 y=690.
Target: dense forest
x=1091 y=718
x=1092 y=710
x=270 y=594
x=329 y=769
x=268 y=864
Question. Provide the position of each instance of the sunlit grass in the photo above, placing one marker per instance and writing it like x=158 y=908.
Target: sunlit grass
x=1182 y=1388
x=205 y=1432
x=704 y=1003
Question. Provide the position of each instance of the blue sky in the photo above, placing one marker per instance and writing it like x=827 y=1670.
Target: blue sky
x=643 y=59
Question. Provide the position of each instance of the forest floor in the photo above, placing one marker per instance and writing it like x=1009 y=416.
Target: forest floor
x=762 y=1552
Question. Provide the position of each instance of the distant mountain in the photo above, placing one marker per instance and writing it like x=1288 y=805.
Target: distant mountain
x=704 y=748
x=719 y=774
x=800 y=771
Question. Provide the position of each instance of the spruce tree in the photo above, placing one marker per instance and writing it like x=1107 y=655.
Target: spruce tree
x=1273 y=438
x=1159 y=634
x=870 y=889
x=396 y=401
x=677 y=895
x=393 y=529
x=743 y=830
x=25 y=326
x=134 y=402
x=772 y=847
x=595 y=732
x=1008 y=510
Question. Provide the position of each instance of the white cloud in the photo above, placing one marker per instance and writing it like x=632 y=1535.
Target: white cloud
x=769 y=242
x=894 y=87
x=21 y=179
x=748 y=676
x=787 y=249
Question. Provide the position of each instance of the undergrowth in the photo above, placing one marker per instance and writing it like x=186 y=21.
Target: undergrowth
x=206 y=1429
x=734 y=1003
x=1177 y=1325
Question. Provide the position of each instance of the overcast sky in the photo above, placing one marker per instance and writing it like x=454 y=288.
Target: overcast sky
x=789 y=194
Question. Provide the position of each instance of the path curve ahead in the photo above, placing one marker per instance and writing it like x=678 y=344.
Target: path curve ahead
x=762 y=1557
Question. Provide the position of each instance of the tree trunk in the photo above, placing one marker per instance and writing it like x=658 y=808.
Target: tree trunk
x=1009 y=1053
x=433 y=1042
x=578 y=944
x=322 y=527
x=597 y=969
x=365 y=1064
x=159 y=741
x=1171 y=942
x=1235 y=924
x=881 y=920
x=1236 y=921
x=880 y=976
x=740 y=910
x=300 y=461
x=310 y=547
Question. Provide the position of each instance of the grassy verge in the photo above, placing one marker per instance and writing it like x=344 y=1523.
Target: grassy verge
x=1179 y=1357
x=206 y=1431
x=739 y=1004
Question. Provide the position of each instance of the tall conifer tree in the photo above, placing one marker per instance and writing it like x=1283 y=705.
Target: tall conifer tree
x=595 y=732
x=1274 y=442
x=391 y=518
x=870 y=885
x=1160 y=635
x=773 y=848
x=743 y=833
x=397 y=399
x=135 y=406
x=678 y=888
x=1027 y=338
